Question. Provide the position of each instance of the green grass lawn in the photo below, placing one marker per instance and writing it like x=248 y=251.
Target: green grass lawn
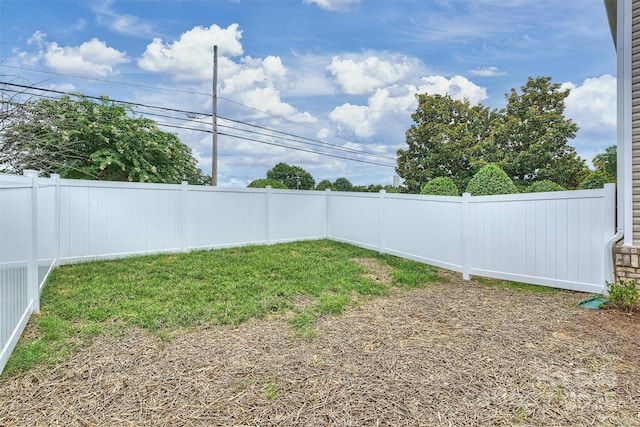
x=172 y=294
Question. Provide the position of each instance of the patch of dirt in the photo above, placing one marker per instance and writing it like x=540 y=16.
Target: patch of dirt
x=375 y=270
x=458 y=353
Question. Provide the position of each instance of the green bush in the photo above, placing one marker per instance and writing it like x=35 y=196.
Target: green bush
x=441 y=186
x=623 y=294
x=491 y=180
x=263 y=182
x=544 y=186
x=595 y=179
x=324 y=185
x=342 y=184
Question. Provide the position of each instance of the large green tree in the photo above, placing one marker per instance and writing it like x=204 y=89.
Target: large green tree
x=528 y=139
x=607 y=162
x=83 y=139
x=294 y=177
x=530 y=136
x=445 y=141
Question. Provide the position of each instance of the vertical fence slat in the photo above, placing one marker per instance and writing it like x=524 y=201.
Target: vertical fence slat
x=466 y=236
x=184 y=211
x=381 y=217
x=32 y=268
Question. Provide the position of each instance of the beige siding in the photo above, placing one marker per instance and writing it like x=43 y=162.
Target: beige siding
x=635 y=89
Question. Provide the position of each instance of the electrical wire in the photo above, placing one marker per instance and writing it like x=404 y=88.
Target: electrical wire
x=289 y=136
x=189 y=92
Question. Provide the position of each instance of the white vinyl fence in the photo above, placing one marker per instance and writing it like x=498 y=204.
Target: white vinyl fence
x=553 y=239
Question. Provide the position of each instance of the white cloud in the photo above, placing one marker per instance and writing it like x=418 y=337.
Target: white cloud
x=358 y=118
x=394 y=104
x=487 y=72
x=362 y=75
x=257 y=83
x=250 y=71
x=267 y=99
x=38 y=38
x=92 y=59
x=64 y=87
x=191 y=57
x=333 y=5
x=121 y=23
x=592 y=105
x=254 y=82
x=458 y=88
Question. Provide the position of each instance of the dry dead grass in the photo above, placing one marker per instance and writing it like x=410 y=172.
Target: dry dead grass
x=456 y=353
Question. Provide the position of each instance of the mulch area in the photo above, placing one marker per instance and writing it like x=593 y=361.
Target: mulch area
x=455 y=353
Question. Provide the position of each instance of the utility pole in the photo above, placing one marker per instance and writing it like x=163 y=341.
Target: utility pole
x=214 y=120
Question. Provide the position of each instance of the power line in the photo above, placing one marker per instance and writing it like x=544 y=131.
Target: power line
x=189 y=92
x=317 y=142
x=306 y=150
x=299 y=140
x=106 y=81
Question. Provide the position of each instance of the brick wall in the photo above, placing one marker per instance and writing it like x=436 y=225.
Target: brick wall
x=627 y=263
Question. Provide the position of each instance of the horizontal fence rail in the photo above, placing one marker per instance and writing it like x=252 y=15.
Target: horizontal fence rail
x=552 y=239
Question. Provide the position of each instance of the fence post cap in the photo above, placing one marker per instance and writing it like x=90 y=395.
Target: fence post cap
x=30 y=172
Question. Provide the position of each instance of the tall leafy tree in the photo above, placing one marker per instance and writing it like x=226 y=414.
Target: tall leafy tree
x=82 y=139
x=531 y=136
x=607 y=162
x=528 y=139
x=294 y=177
x=445 y=141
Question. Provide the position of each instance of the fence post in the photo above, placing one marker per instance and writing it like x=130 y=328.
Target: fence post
x=269 y=213
x=609 y=206
x=466 y=237
x=56 y=218
x=327 y=194
x=184 y=195
x=33 y=287
x=381 y=221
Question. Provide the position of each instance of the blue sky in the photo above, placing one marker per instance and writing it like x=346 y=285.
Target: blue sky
x=338 y=72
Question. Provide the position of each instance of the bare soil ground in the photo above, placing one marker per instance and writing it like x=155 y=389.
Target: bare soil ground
x=456 y=353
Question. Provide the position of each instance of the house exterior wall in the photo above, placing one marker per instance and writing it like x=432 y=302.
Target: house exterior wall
x=635 y=119
x=625 y=29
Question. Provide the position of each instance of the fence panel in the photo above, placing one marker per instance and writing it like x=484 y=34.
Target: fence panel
x=217 y=218
x=107 y=220
x=47 y=228
x=424 y=228
x=297 y=215
x=553 y=239
x=15 y=301
x=354 y=218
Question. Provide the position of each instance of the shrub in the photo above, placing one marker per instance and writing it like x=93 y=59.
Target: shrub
x=263 y=182
x=324 y=185
x=544 y=186
x=441 y=186
x=491 y=180
x=623 y=294
x=391 y=189
x=342 y=184
x=595 y=179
